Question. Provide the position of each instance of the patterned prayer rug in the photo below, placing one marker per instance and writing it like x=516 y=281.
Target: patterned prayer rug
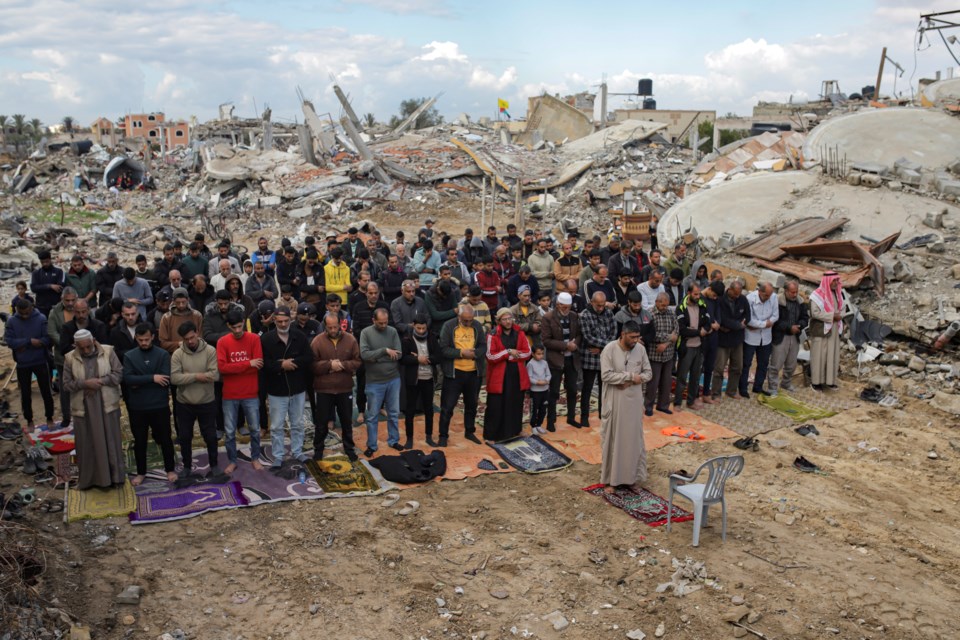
x=336 y=474
x=93 y=504
x=794 y=409
x=186 y=503
x=643 y=505
x=531 y=454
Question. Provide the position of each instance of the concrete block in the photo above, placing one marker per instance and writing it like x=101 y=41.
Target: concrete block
x=902 y=164
x=871 y=180
x=954 y=167
x=909 y=176
x=302 y=212
x=917 y=364
x=130 y=595
x=946 y=185
x=726 y=241
x=895 y=185
x=853 y=179
x=955 y=271
x=269 y=201
x=902 y=271
x=934 y=219
x=777 y=279
x=874 y=168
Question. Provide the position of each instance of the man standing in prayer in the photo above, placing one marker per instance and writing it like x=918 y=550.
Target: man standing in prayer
x=91 y=374
x=624 y=368
x=786 y=338
x=598 y=329
x=826 y=325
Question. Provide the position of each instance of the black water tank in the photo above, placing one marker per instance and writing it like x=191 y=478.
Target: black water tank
x=649 y=104
x=645 y=87
x=868 y=91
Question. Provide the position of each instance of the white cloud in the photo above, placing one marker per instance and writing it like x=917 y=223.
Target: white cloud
x=482 y=79
x=442 y=51
x=406 y=7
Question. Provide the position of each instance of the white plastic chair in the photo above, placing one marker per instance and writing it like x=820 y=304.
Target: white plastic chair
x=705 y=494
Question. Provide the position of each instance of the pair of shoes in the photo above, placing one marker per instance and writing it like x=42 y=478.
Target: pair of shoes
x=551 y=428
x=807 y=429
x=747 y=444
x=573 y=423
x=871 y=394
x=802 y=464
x=666 y=411
x=397 y=446
x=368 y=452
x=470 y=436
x=443 y=441
x=648 y=412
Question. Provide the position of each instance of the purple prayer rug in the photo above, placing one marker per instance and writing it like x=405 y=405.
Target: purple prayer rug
x=186 y=503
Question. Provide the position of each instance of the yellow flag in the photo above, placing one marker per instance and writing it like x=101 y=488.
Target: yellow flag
x=503 y=104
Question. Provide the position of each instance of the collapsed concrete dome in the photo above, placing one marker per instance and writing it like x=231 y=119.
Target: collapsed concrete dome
x=927 y=137
x=941 y=92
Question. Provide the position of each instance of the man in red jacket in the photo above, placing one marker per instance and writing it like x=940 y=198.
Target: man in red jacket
x=240 y=358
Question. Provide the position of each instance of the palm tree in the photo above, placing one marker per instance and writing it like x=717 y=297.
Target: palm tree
x=68 y=125
x=19 y=128
x=3 y=132
x=37 y=128
x=369 y=120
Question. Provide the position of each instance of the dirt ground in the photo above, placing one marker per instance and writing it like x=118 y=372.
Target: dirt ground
x=869 y=549
x=866 y=550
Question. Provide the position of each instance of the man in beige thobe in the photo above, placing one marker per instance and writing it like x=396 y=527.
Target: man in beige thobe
x=91 y=374
x=624 y=368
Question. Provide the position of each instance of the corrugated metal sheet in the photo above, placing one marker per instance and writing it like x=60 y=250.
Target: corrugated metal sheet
x=767 y=246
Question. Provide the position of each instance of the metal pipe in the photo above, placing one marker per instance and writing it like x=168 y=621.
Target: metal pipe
x=947 y=335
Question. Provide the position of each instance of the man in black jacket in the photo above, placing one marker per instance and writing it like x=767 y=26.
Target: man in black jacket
x=734 y=316
x=420 y=355
x=107 y=276
x=391 y=279
x=694 y=327
x=46 y=283
x=286 y=354
x=786 y=339
x=82 y=320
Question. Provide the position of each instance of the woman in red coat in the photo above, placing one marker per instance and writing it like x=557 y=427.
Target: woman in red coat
x=507 y=348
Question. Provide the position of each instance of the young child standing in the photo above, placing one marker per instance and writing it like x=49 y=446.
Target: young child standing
x=21 y=295
x=539 y=373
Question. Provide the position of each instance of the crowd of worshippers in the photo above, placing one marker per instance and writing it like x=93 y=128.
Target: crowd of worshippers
x=244 y=343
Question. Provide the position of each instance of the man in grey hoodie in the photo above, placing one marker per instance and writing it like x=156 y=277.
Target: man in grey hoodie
x=193 y=371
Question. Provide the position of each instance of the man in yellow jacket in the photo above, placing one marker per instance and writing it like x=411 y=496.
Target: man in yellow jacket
x=337 y=275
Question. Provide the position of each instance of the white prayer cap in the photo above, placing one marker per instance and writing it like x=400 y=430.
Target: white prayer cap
x=82 y=334
x=564 y=298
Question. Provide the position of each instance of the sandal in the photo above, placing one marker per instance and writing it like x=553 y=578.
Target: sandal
x=52 y=506
x=807 y=429
x=747 y=444
x=412 y=506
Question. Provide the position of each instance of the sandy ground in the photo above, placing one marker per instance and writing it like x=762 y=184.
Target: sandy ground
x=866 y=550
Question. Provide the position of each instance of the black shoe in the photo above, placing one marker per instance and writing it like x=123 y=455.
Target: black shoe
x=806 y=429
x=802 y=464
x=472 y=438
x=368 y=452
x=572 y=423
x=666 y=411
x=430 y=441
x=318 y=454
x=551 y=428
x=745 y=395
x=397 y=446
x=408 y=444
x=443 y=441
x=762 y=392
x=648 y=412
x=817 y=387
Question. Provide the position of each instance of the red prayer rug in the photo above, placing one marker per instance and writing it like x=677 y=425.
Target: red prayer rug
x=645 y=506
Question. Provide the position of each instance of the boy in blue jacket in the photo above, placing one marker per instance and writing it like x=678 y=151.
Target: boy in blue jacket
x=26 y=335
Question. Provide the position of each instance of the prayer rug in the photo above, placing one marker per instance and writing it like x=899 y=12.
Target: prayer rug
x=794 y=409
x=336 y=474
x=187 y=503
x=93 y=504
x=531 y=454
x=55 y=441
x=645 y=506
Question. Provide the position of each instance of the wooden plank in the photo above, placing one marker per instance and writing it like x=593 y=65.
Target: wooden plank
x=812 y=273
x=767 y=246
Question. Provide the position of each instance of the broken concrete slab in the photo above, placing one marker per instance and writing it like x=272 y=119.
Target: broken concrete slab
x=130 y=595
x=556 y=121
x=947 y=402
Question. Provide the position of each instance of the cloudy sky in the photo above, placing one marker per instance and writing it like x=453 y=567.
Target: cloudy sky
x=90 y=58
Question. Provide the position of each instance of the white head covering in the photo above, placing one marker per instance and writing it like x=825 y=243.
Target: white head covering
x=82 y=334
x=564 y=298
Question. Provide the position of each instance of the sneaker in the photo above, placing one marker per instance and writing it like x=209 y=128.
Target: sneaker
x=470 y=436
x=575 y=424
x=802 y=464
x=786 y=386
x=648 y=412
x=397 y=446
x=443 y=441
x=539 y=431
x=772 y=394
x=666 y=411
x=368 y=452
x=551 y=428
x=430 y=441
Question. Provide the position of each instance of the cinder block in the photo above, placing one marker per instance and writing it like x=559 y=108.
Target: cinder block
x=871 y=180
x=776 y=279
